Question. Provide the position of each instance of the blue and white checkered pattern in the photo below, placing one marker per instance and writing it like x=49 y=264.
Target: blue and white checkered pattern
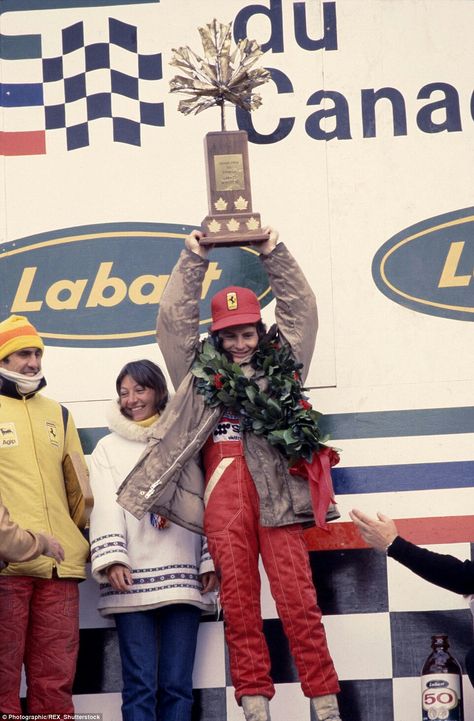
x=84 y=85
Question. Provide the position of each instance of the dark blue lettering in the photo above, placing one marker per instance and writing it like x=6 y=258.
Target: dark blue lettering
x=368 y=100
x=329 y=39
x=285 y=125
x=450 y=102
x=274 y=13
x=340 y=112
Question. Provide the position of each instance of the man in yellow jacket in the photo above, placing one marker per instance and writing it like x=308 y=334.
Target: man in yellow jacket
x=39 y=598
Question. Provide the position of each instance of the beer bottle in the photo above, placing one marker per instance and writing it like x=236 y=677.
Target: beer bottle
x=441 y=683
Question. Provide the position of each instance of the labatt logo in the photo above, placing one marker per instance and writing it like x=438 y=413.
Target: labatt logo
x=429 y=267
x=100 y=285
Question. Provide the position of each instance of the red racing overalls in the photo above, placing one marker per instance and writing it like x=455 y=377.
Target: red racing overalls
x=236 y=539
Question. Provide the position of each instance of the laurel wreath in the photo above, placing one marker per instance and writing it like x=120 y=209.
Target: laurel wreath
x=272 y=403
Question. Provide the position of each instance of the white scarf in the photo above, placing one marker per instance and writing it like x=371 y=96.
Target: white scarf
x=25 y=384
x=126 y=427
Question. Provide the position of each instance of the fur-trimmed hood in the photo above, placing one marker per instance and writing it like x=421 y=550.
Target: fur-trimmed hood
x=118 y=423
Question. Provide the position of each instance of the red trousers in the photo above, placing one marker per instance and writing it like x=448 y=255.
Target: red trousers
x=39 y=626
x=236 y=539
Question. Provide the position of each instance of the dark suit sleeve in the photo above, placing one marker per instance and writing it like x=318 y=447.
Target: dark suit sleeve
x=441 y=569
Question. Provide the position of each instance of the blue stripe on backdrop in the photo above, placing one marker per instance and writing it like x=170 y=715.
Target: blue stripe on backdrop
x=386 y=424
x=403 y=477
x=20 y=47
x=21 y=95
x=377 y=424
x=8 y=6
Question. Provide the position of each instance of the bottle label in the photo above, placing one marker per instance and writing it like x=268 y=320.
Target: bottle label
x=441 y=697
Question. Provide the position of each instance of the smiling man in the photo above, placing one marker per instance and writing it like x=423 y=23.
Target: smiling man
x=38 y=598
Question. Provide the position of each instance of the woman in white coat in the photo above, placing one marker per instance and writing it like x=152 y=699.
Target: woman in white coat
x=155 y=577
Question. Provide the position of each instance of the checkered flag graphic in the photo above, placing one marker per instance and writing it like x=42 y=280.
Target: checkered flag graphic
x=80 y=96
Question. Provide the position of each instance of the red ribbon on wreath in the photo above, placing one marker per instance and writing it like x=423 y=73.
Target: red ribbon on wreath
x=318 y=474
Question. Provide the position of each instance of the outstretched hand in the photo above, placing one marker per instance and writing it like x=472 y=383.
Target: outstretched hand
x=192 y=243
x=377 y=533
x=265 y=247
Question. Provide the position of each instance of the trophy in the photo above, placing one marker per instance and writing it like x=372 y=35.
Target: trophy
x=223 y=75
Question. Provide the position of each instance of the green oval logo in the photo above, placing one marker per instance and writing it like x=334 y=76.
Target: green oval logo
x=429 y=266
x=100 y=285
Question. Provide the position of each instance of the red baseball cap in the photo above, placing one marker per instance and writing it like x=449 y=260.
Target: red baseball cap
x=234 y=306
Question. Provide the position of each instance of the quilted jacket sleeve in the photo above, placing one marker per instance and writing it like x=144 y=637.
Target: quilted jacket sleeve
x=177 y=328
x=296 y=311
x=17 y=544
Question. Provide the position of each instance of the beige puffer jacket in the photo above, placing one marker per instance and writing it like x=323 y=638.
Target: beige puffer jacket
x=16 y=544
x=168 y=478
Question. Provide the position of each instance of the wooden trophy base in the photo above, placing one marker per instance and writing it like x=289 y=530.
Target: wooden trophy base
x=237 y=229
x=231 y=220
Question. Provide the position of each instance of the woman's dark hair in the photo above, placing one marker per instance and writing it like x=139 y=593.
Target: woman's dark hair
x=260 y=327
x=148 y=375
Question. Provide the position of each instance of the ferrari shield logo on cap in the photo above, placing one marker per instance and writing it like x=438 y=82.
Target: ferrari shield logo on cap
x=232 y=301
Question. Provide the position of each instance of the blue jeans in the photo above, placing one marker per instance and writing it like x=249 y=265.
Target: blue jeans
x=157 y=650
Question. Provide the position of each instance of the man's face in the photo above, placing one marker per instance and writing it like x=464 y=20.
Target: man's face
x=26 y=361
x=240 y=341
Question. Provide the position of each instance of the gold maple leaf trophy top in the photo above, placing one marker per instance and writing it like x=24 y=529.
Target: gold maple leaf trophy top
x=225 y=74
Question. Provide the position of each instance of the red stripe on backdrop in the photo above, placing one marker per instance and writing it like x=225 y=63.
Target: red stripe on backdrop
x=31 y=142
x=342 y=536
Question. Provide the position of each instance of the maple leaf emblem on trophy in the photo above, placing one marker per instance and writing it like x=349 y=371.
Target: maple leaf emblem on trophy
x=225 y=74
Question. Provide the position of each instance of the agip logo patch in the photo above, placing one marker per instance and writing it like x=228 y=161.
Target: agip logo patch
x=8 y=435
x=101 y=285
x=429 y=267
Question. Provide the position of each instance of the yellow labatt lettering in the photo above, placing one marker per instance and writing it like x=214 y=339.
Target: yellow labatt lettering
x=21 y=304
x=449 y=277
x=137 y=289
x=213 y=272
x=102 y=282
x=107 y=290
x=74 y=290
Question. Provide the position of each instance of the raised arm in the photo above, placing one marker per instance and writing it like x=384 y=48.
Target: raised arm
x=177 y=328
x=296 y=311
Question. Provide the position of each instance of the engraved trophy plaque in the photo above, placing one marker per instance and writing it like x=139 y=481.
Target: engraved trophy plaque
x=230 y=220
x=224 y=75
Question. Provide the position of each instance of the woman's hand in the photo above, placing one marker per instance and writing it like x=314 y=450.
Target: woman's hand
x=378 y=534
x=265 y=247
x=208 y=581
x=120 y=577
x=192 y=243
